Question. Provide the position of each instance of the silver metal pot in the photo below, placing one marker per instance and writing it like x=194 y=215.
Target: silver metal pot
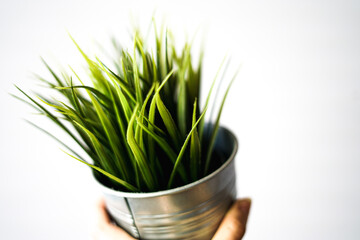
x=193 y=211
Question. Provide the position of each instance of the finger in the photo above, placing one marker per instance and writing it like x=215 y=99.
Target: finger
x=233 y=225
x=102 y=214
x=105 y=229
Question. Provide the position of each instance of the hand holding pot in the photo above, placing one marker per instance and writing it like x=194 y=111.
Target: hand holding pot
x=232 y=227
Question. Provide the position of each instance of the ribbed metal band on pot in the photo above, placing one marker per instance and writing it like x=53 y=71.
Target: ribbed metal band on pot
x=193 y=211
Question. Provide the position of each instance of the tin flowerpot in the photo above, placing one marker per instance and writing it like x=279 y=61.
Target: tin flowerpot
x=193 y=211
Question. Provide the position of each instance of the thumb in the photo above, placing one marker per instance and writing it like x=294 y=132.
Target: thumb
x=233 y=225
x=105 y=229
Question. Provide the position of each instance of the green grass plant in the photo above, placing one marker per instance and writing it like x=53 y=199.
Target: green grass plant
x=140 y=124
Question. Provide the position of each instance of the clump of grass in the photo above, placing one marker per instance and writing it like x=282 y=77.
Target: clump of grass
x=140 y=124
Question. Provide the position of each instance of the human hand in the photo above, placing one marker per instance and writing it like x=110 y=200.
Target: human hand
x=232 y=227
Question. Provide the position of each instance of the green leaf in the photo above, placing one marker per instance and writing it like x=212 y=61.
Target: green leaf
x=166 y=148
x=166 y=116
x=195 y=148
x=55 y=138
x=139 y=97
x=100 y=151
x=96 y=93
x=168 y=121
x=53 y=118
x=182 y=151
x=182 y=113
x=124 y=86
x=111 y=136
x=112 y=177
x=58 y=80
x=138 y=133
x=139 y=154
x=215 y=128
x=208 y=98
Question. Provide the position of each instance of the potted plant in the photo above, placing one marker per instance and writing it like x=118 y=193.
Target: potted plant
x=164 y=172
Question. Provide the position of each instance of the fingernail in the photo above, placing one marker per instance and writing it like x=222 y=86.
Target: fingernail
x=245 y=204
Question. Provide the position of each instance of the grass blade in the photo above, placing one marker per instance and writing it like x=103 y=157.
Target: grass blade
x=53 y=118
x=215 y=129
x=167 y=149
x=201 y=128
x=55 y=138
x=168 y=121
x=195 y=148
x=111 y=136
x=182 y=151
x=112 y=177
x=139 y=154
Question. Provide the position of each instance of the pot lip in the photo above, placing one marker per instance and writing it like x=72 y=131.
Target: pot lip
x=183 y=188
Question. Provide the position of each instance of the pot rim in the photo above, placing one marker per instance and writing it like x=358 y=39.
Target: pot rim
x=183 y=188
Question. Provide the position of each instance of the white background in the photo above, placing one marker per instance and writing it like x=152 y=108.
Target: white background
x=295 y=109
